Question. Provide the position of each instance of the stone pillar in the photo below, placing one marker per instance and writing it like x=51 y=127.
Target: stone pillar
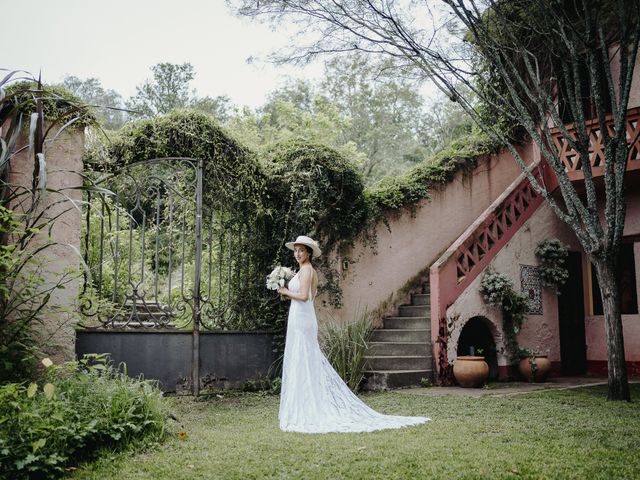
x=55 y=332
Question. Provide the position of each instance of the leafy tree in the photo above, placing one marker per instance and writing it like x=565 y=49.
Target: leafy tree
x=107 y=103
x=219 y=108
x=442 y=122
x=294 y=111
x=538 y=63
x=384 y=114
x=168 y=90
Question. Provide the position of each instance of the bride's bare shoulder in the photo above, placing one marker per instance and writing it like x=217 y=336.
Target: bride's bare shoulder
x=307 y=270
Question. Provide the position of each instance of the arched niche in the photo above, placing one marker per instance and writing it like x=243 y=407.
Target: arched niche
x=478 y=338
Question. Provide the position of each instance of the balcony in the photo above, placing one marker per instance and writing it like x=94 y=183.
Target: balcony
x=571 y=159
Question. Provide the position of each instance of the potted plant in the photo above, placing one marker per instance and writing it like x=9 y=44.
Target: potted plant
x=471 y=370
x=534 y=365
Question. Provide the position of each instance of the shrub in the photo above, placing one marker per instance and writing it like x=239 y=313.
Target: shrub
x=70 y=414
x=345 y=347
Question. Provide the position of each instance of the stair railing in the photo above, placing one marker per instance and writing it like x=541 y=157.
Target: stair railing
x=472 y=252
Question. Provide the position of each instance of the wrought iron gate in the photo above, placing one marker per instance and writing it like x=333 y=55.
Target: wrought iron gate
x=157 y=258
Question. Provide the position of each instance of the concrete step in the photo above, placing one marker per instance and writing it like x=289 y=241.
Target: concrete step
x=414 y=311
x=421 y=299
x=398 y=348
x=149 y=307
x=123 y=323
x=407 y=323
x=385 y=380
x=401 y=335
x=144 y=316
x=398 y=362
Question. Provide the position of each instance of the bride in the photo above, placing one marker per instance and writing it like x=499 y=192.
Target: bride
x=314 y=399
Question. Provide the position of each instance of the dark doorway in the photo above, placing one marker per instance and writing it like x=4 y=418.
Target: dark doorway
x=476 y=339
x=573 y=348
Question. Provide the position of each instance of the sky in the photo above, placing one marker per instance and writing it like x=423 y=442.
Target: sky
x=117 y=41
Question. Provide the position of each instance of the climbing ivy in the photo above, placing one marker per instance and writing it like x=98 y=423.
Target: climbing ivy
x=314 y=190
x=59 y=105
x=407 y=190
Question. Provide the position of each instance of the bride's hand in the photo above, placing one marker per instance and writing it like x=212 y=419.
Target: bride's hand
x=283 y=291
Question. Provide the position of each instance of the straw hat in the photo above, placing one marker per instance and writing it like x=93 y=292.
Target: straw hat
x=308 y=241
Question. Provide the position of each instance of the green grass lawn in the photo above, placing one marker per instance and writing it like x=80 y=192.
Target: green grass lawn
x=546 y=434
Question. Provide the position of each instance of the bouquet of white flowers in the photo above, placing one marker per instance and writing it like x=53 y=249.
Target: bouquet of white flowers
x=279 y=277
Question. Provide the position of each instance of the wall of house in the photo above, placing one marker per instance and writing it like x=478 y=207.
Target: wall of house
x=594 y=324
x=382 y=273
x=538 y=331
x=63 y=157
x=542 y=331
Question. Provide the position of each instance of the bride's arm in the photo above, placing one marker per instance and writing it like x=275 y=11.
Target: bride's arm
x=305 y=283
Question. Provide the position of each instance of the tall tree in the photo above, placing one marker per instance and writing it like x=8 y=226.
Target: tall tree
x=219 y=107
x=384 y=113
x=295 y=111
x=168 y=90
x=540 y=63
x=107 y=103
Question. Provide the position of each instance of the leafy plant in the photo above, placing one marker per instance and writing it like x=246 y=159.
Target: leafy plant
x=345 y=347
x=552 y=255
x=72 y=412
x=530 y=354
x=498 y=290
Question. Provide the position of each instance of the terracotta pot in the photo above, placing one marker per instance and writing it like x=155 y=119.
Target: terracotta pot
x=471 y=371
x=541 y=370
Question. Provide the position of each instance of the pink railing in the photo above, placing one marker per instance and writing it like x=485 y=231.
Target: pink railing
x=571 y=158
x=472 y=252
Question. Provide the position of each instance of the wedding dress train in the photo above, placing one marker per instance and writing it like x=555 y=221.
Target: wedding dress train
x=314 y=399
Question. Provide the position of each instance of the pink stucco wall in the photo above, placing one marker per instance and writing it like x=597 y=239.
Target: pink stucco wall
x=594 y=325
x=542 y=331
x=538 y=331
x=63 y=167
x=413 y=242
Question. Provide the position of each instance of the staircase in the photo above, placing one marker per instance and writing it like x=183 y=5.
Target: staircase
x=399 y=353
x=144 y=315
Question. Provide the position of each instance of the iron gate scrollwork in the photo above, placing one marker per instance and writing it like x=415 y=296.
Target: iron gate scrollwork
x=158 y=258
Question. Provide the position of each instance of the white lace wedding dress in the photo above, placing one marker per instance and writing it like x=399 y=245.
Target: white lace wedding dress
x=314 y=399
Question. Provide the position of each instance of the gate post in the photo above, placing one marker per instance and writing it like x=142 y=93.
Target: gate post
x=195 y=314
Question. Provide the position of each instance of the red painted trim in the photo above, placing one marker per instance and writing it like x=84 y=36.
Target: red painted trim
x=599 y=367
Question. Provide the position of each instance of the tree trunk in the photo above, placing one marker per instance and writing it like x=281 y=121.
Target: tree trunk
x=617 y=368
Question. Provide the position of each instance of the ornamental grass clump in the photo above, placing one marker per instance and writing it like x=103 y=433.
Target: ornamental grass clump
x=345 y=346
x=71 y=413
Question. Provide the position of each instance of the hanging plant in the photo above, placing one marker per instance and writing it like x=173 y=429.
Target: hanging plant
x=552 y=255
x=498 y=290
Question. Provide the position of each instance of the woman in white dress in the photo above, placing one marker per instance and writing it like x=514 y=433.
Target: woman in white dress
x=314 y=399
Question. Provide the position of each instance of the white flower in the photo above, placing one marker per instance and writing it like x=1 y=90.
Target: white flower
x=279 y=277
x=46 y=362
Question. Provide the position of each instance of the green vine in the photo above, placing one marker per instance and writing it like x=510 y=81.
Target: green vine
x=59 y=105
x=498 y=290
x=552 y=255
x=407 y=190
